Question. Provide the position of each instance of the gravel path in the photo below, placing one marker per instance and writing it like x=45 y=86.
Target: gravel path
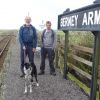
x=51 y=87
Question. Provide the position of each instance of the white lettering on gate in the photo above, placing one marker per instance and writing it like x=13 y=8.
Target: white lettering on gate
x=90 y=18
x=76 y=19
x=97 y=17
x=69 y=21
x=84 y=19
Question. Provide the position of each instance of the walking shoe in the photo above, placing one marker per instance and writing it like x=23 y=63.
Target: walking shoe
x=22 y=75
x=53 y=73
x=41 y=73
x=31 y=79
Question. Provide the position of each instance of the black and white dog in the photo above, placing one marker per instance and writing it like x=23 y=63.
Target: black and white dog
x=30 y=71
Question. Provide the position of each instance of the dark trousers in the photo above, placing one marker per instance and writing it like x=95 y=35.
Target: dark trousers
x=50 y=53
x=30 y=55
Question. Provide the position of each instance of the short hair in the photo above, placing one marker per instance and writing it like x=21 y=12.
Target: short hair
x=27 y=17
x=48 y=22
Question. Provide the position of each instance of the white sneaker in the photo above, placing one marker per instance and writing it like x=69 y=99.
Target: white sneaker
x=25 y=90
x=30 y=88
x=37 y=84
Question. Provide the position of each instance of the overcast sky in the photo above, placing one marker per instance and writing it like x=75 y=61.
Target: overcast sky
x=13 y=12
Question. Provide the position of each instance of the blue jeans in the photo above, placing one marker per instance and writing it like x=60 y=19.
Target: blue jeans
x=49 y=52
x=28 y=52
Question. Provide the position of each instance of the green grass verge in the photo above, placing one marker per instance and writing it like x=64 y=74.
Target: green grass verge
x=81 y=85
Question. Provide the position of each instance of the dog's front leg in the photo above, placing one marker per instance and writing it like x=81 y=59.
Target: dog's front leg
x=26 y=84
x=30 y=87
x=26 y=88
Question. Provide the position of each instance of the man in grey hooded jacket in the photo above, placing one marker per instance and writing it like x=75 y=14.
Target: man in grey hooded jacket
x=48 y=44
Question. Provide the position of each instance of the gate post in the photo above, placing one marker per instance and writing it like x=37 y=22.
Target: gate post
x=65 y=72
x=95 y=65
x=99 y=77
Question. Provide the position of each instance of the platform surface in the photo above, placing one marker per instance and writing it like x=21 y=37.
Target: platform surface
x=51 y=87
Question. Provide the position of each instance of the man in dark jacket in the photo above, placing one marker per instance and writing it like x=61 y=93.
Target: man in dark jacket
x=28 y=42
x=48 y=44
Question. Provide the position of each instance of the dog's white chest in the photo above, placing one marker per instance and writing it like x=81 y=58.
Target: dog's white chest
x=27 y=73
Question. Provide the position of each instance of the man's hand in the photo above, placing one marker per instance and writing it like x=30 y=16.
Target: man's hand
x=24 y=48
x=34 y=49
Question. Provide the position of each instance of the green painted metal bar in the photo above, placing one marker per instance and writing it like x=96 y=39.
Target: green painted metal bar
x=65 y=55
x=95 y=65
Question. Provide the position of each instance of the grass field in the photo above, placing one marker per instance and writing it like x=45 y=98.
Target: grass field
x=7 y=32
x=84 y=38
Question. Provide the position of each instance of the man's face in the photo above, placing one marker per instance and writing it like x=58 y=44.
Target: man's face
x=27 y=20
x=48 y=25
